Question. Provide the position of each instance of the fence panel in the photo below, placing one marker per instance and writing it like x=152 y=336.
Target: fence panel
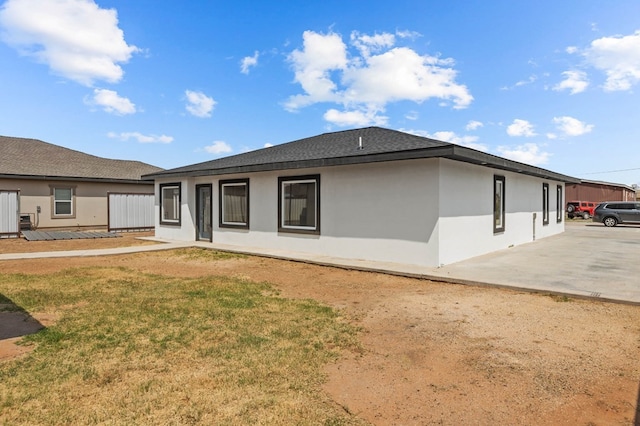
x=128 y=211
x=9 y=213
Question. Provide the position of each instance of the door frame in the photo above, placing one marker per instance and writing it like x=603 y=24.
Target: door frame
x=198 y=203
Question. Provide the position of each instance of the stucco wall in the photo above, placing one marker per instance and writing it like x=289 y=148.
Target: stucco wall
x=90 y=200
x=427 y=212
x=466 y=211
x=373 y=211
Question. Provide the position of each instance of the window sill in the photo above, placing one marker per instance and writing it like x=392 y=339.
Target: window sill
x=298 y=231
x=229 y=226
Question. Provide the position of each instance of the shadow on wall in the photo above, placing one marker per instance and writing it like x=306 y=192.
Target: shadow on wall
x=15 y=321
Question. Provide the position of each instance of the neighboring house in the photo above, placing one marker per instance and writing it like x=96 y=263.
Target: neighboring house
x=371 y=193
x=591 y=190
x=57 y=187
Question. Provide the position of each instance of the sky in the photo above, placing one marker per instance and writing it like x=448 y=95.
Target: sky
x=549 y=83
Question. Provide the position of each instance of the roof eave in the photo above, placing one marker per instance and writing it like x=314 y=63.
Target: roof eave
x=307 y=164
x=142 y=181
x=453 y=152
x=473 y=156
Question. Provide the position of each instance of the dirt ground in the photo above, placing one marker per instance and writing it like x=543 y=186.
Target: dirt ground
x=435 y=353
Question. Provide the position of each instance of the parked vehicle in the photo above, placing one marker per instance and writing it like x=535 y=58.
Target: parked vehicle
x=583 y=209
x=615 y=212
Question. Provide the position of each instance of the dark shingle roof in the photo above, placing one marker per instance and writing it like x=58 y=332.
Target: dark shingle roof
x=31 y=158
x=342 y=148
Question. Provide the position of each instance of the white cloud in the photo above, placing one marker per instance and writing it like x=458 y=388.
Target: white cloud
x=575 y=81
x=375 y=43
x=268 y=145
x=532 y=79
x=446 y=136
x=75 y=38
x=571 y=126
x=312 y=66
x=112 y=103
x=619 y=58
x=401 y=74
x=412 y=115
x=466 y=141
x=528 y=153
x=408 y=34
x=355 y=118
x=218 y=147
x=473 y=125
x=363 y=81
x=520 y=128
x=140 y=137
x=199 y=104
x=248 y=62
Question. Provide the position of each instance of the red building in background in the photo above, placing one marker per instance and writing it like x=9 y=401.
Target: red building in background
x=590 y=190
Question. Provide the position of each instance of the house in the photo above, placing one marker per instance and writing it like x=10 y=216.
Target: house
x=371 y=193
x=50 y=186
x=591 y=190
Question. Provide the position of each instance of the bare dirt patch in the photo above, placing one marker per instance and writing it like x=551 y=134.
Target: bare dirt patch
x=446 y=354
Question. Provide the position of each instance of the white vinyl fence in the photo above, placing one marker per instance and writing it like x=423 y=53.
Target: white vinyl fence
x=128 y=212
x=9 y=213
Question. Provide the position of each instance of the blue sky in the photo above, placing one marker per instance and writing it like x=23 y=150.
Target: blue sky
x=548 y=83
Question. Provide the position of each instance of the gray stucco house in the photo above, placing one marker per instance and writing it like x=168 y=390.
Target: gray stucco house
x=371 y=193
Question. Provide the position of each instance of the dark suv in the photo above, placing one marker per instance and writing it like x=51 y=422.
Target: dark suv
x=612 y=213
x=583 y=209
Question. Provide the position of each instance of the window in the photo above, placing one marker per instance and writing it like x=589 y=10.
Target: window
x=559 y=204
x=498 y=204
x=170 y=204
x=545 y=203
x=299 y=204
x=234 y=203
x=621 y=206
x=63 y=202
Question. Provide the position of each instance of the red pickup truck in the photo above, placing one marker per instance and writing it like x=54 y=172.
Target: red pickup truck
x=583 y=209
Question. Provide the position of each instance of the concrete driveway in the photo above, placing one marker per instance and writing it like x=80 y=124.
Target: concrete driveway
x=587 y=260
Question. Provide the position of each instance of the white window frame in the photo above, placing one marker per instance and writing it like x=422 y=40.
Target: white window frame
x=499 y=205
x=545 y=203
x=283 y=182
x=228 y=184
x=559 y=204
x=55 y=202
x=176 y=205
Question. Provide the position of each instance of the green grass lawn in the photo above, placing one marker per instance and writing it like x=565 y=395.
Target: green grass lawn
x=130 y=348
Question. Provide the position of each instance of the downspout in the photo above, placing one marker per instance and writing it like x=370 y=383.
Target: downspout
x=534 y=225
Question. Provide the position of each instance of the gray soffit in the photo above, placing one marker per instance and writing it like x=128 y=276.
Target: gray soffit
x=358 y=146
x=22 y=158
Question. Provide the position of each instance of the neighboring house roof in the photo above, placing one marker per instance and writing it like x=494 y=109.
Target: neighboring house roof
x=34 y=159
x=597 y=182
x=342 y=148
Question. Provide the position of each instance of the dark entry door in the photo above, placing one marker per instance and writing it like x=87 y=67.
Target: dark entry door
x=203 y=201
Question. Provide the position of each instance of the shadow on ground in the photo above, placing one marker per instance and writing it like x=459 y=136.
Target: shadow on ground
x=637 y=422
x=15 y=321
